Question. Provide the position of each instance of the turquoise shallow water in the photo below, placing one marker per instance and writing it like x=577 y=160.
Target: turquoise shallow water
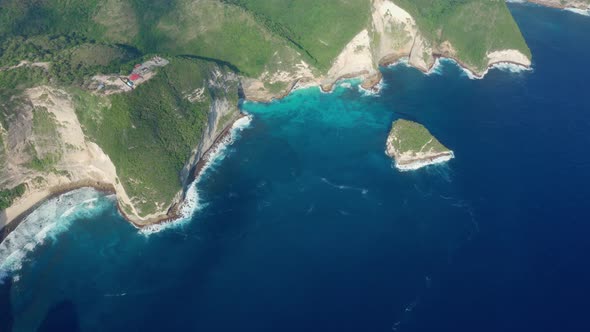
x=305 y=225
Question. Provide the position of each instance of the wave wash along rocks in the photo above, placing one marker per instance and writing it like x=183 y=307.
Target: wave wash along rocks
x=413 y=146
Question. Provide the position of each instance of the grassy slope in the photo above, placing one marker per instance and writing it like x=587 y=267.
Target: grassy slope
x=319 y=29
x=73 y=58
x=150 y=133
x=177 y=27
x=12 y=83
x=474 y=27
x=245 y=33
x=211 y=29
x=33 y=17
x=415 y=137
x=98 y=55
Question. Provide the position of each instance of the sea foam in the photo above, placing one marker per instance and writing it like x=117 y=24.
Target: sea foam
x=373 y=92
x=436 y=68
x=46 y=222
x=439 y=63
x=193 y=202
x=56 y=215
x=579 y=11
x=419 y=164
x=503 y=66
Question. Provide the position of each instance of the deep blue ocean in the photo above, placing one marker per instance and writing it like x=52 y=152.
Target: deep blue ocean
x=304 y=224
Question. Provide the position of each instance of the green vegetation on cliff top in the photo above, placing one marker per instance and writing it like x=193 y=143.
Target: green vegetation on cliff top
x=474 y=27
x=7 y=196
x=149 y=134
x=247 y=33
x=414 y=137
x=320 y=29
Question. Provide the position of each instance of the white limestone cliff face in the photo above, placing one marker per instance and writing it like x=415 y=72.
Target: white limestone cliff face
x=392 y=34
x=511 y=56
x=222 y=113
x=355 y=60
x=78 y=162
x=575 y=4
x=394 y=31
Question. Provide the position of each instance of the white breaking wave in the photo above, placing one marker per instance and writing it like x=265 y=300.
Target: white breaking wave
x=373 y=92
x=585 y=12
x=403 y=61
x=511 y=67
x=56 y=215
x=503 y=66
x=440 y=62
x=192 y=202
x=419 y=164
x=345 y=83
x=436 y=68
x=46 y=222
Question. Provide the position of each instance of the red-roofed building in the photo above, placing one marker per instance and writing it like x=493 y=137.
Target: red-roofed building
x=134 y=77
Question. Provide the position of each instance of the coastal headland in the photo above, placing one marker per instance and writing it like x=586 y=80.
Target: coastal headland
x=146 y=132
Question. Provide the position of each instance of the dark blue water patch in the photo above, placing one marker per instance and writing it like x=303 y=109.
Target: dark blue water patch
x=307 y=226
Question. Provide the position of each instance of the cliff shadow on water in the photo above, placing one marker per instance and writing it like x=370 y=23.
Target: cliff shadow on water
x=61 y=317
x=6 y=315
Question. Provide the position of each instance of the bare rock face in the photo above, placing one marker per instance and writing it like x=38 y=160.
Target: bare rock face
x=577 y=4
x=413 y=146
x=45 y=149
x=222 y=113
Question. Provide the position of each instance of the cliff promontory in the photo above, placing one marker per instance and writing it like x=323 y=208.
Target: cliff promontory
x=84 y=100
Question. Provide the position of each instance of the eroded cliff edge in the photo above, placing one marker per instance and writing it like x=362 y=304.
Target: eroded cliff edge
x=476 y=34
x=68 y=121
x=577 y=4
x=57 y=139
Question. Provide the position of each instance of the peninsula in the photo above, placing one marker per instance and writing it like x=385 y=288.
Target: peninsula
x=413 y=146
x=128 y=96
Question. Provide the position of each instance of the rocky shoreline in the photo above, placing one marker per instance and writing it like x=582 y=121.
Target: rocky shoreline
x=370 y=82
x=172 y=214
x=357 y=60
x=414 y=164
x=577 y=4
x=412 y=146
